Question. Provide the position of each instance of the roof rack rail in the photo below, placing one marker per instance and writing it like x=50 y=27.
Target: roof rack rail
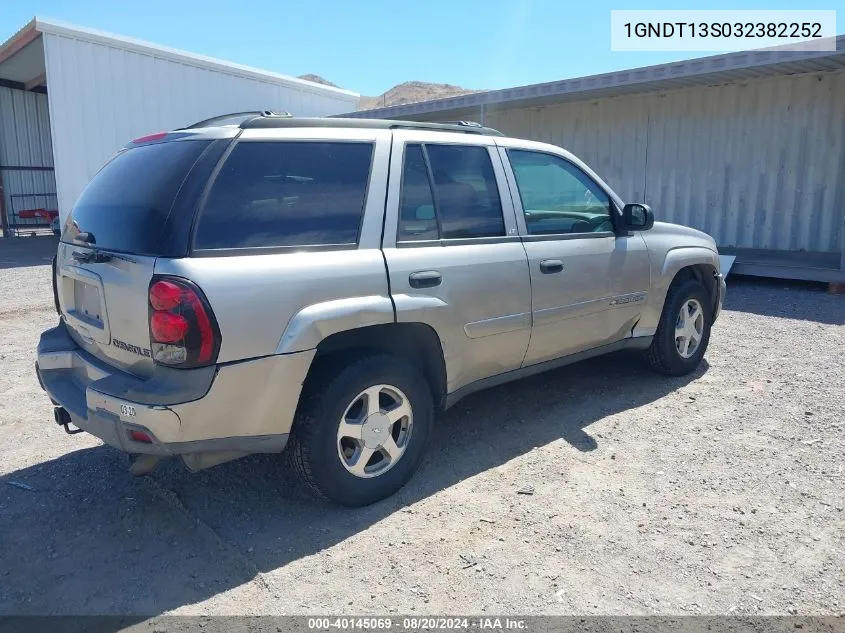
x=463 y=123
x=270 y=119
x=464 y=127
x=236 y=118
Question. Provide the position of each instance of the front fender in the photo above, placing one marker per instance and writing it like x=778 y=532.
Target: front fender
x=663 y=273
x=316 y=322
x=683 y=256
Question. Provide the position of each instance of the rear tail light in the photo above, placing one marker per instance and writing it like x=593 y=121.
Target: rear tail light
x=183 y=331
x=165 y=295
x=167 y=327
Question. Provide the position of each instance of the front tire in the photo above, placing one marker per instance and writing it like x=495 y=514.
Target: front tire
x=684 y=330
x=360 y=432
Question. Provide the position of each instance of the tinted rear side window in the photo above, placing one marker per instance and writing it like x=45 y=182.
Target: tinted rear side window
x=467 y=196
x=287 y=193
x=462 y=201
x=126 y=204
x=417 y=219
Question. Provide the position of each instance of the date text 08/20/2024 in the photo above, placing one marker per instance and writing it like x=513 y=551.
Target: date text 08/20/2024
x=415 y=623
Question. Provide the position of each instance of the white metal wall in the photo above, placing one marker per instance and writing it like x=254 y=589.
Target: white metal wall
x=759 y=164
x=25 y=142
x=103 y=95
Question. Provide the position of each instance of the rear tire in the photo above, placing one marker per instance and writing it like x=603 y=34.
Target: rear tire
x=360 y=432
x=684 y=330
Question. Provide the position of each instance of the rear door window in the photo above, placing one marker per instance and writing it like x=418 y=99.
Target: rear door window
x=287 y=193
x=417 y=220
x=462 y=201
x=125 y=206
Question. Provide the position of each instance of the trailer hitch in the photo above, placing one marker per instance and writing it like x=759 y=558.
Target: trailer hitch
x=63 y=419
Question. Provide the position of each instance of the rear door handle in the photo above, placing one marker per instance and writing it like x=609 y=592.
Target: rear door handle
x=549 y=266
x=425 y=279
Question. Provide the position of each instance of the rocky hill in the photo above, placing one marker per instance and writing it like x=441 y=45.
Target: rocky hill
x=408 y=92
x=412 y=92
x=318 y=80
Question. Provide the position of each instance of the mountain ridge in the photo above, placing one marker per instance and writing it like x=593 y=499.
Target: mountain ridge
x=400 y=94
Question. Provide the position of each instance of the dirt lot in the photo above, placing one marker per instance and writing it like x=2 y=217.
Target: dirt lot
x=717 y=493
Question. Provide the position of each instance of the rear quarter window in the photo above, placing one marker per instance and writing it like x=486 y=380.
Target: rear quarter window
x=126 y=205
x=287 y=193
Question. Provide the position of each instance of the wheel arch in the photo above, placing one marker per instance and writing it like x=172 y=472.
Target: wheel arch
x=679 y=264
x=704 y=273
x=417 y=343
x=313 y=324
x=690 y=262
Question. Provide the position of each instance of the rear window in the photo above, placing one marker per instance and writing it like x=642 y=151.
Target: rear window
x=287 y=193
x=126 y=204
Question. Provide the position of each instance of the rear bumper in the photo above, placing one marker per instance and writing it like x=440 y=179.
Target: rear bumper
x=245 y=407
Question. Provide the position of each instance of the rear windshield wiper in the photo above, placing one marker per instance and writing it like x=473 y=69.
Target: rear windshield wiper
x=89 y=257
x=99 y=257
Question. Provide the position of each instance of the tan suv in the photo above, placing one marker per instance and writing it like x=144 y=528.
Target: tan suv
x=258 y=281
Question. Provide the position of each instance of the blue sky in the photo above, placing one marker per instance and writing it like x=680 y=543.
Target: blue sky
x=370 y=45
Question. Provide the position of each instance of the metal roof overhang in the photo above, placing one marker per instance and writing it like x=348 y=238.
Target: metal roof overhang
x=22 y=63
x=704 y=71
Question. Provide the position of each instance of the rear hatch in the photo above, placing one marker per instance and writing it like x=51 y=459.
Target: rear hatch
x=127 y=217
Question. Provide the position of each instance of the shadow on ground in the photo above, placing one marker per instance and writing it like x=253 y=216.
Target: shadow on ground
x=20 y=252
x=92 y=539
x=784 y=298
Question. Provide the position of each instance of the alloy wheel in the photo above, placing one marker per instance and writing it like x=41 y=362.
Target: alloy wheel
x=374 y=431
x=689 y=328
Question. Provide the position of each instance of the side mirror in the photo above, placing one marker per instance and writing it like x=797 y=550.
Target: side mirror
x=637 y=217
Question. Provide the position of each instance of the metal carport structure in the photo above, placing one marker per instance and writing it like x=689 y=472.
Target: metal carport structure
x=70 y=97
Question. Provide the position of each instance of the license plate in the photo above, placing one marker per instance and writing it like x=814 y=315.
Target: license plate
x=127 y=411
x=87 y=305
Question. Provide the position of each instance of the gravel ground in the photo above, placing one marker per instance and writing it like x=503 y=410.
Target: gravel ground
x=716 y=493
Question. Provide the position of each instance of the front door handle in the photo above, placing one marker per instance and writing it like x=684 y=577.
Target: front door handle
x=549 y=266
x=425 y=279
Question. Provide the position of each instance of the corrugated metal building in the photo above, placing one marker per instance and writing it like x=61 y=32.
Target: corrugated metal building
x=749 y=147
x=71 y=97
